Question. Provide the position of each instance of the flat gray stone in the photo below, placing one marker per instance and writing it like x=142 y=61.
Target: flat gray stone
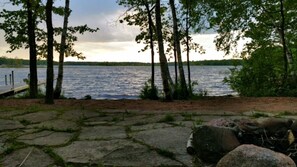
x=102 y=132
x=172 y=139
x=150 y=126
x=46 y=138
x=58 y=124
x=75 y=115
x=10 y=114
x=89 y=151
x=9 y=125
x=37 y=117
x=103 y=120
x=132 y=120
x=137 y=155
x=36 y=158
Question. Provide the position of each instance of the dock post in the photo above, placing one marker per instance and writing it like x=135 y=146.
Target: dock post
x=5 y=79
x=9 y=79
x=12 y=76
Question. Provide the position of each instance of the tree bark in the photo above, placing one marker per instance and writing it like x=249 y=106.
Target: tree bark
x=188 y=47
x=49 y=97
x=176 y=37
x=63 y=46
x=162 y=57
x=151 y=42
x=31 y=21
x=288 y=58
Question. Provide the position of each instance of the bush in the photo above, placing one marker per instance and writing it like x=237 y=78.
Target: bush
x=149 y=92
x=262 y=75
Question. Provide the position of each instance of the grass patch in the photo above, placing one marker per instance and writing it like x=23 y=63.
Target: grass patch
x=198 y=122
x=58 y=160
x=286 y=113
x=13 y=145
x=167 y=118
x=259 y=115
x=25 y=122
x=187 y=116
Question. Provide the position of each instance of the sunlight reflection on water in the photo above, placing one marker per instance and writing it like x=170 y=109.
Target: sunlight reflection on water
x=104 y=82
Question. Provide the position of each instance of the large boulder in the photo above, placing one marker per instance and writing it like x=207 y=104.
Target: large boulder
x=212 y=143
x=254 y=156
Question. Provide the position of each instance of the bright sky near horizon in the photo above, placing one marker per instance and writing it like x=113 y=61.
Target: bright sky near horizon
x=114 y=42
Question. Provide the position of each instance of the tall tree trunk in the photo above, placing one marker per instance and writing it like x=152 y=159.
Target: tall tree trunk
x=176 y=36
x=188 y=47
x=288 y=58
x=151 y=42
x=49 y=97
x=33 y=52
x=162 y=57
x=175 y=63
x=59 y=82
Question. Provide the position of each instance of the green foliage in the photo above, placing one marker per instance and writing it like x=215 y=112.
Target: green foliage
x=167 y=118
x=262 y=75
x=149 y=91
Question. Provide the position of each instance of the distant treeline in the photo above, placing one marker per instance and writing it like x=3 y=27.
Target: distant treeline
x=4 y=61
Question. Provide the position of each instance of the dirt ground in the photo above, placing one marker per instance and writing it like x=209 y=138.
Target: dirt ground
x=224 y=104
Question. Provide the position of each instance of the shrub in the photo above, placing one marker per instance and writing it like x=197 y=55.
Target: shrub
x=262 y=75
x=149 y=92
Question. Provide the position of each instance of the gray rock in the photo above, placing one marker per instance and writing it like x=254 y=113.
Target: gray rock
x=38 y=116
x=9 y=125
x=36 y=158
x=58 y=124
x=75 y=115
x=137 y=155
x=150 y=126
x=172 y=139
x=254 y=156
x=212 y=143
x=102 y=132
x=10 y=114
x=89 y=151
x=46 y=138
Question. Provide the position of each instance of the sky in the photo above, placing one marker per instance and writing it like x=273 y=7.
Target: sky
x=114 y=42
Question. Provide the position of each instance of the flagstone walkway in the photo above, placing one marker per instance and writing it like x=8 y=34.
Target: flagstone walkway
x=98 y=138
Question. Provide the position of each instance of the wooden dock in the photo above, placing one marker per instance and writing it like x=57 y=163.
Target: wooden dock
x=10 y=90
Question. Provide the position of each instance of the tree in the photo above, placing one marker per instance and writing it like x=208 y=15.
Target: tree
x=33 y=84
x=163 y=61
x=176 y=37
x=142 y=16
x=59 y=82
x=17 y=28
x=268 y=25
x=49 y=97
x=20 y=30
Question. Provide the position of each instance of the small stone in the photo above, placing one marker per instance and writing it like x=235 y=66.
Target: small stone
x=9 y=125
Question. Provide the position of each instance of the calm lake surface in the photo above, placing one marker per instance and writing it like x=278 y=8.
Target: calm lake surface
x=122 y=82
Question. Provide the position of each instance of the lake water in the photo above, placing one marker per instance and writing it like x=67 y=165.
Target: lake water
x=122 y=82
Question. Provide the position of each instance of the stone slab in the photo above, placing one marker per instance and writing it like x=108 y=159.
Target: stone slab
x=172 y=139
x=38 y=117
x=137 y=155
x=58 y=124
x=9 y=125
x=46 y=138
x=84 y=152
x=150 y=126
x=36 y=158
x=10 y=114
x=75 y=115
x=102 y=132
